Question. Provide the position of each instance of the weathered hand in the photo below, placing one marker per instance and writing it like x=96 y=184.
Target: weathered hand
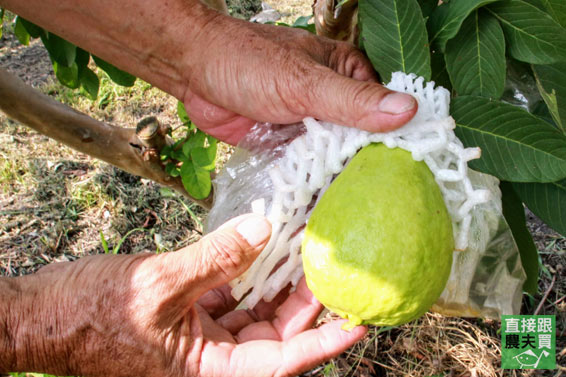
x=274 y=339
x=230 y=73
x=169 y=315
x=251 y=72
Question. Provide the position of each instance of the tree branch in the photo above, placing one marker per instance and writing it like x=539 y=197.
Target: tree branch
x=337 y=22
x=118 y=146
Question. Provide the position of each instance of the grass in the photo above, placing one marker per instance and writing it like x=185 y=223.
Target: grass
x=57 y=204
x=117 y=104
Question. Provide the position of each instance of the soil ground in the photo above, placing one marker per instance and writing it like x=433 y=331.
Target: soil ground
x=57 y=204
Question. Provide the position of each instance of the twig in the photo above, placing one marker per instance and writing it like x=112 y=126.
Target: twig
x=121 y=147
x=336 y=21
x=559 y=300
x=539 y=307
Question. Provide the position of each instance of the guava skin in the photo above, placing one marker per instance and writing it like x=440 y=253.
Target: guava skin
x=378 y=246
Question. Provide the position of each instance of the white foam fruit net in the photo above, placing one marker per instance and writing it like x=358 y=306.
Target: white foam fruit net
x=281 y=171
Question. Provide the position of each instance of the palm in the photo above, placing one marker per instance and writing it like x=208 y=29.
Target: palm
x=273 y=339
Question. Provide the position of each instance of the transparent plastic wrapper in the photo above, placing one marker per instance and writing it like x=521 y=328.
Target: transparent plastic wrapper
x=281 y=171
x=520 y=87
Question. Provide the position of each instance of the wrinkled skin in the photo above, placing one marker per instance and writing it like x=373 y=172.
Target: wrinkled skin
x=230 y=73
x=304 y=75
x=168 y=315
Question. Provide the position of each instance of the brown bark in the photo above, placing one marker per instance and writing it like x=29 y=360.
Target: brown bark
x=337 y=22
x=118 y=146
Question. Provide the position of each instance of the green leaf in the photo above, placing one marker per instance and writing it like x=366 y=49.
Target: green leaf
x=68 y=76
x=303 y=21
x=60 y=50
x=2 y=12
x=82 y=58
x=541 y=110
x=117 y=75
x=447 y=18
x=212 y=141
x=551 y=82
x=205 y=157
x=104 y=242
x=532 y=35
x=475 y=57
x=547 y=201
x=555 y=8
x=427 y=7
x=179 y=155
x=196 y=140
x=196 y=180
x=516 y=146
x=439 y=71
x=311 y=28
x=182 y=113
x=172 y=170
x=33 y=30
x=21 y=32
x=89 y=81
x=394 y=37
x=514 y=213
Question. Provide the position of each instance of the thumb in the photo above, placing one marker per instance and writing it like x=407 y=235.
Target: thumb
x=216 y=259
x=361 y=104
x=178 y=279
x=230 y=250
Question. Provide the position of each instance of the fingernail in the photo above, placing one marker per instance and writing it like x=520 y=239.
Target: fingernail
x=397 y=103
x=255 y=229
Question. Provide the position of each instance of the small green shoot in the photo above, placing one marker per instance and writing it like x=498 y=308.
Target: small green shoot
x=116 y=248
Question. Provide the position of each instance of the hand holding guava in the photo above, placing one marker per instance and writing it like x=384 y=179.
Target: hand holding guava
x=167 y=315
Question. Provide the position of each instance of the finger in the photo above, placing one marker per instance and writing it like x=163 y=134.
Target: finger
x=351 y=62
x=297 y=314
x=264 y=311
x=274 y=358
x=210 y=329
x=361 y=104
x=218 y=302
x=230 y=250
x=235 y=321
x=213 y=261
x=310 y=348
x=221 y=123
x=226 y=253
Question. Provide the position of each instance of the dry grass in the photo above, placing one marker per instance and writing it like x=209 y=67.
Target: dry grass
x=58 y=204
x=433 y=345
x=291 y=9
x=55 y=203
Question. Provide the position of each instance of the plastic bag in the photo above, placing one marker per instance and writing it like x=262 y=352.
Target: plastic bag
x=280 y=171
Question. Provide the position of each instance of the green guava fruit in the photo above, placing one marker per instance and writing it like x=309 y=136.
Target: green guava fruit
x=378 y=246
